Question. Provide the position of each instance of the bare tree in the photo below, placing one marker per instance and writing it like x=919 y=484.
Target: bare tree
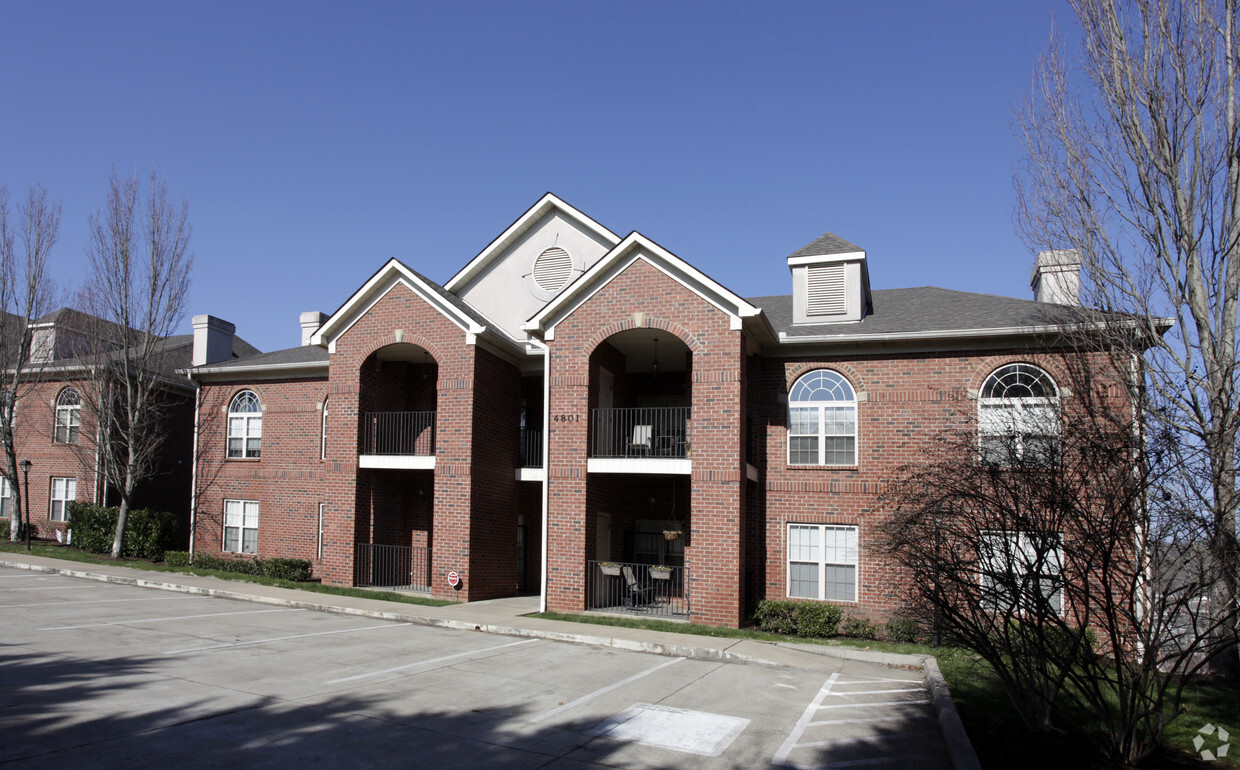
x=136 y=291
x=26 y=293
x=1062 y=555
x=1132 y=157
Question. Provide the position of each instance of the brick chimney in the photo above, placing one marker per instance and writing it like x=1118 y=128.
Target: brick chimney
x=213 y=340
x=310 y=323
x=1057 y=277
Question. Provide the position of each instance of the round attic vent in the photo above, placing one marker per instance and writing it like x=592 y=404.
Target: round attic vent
x=552 y=269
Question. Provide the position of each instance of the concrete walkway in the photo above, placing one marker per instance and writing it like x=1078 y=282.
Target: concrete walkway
x=508 y=617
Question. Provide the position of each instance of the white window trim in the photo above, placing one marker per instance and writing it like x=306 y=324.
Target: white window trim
x=322 y=508
x=821 y=435
x=69 y=496
x=323 y=432
x=1017 y=418
x=1019 y=545
x=252 y=429
x=6 y=498
x=241 y=528
x=822 y=562
x=68 y=417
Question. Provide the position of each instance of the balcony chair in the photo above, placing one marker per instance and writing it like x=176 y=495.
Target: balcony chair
x=640 y=444
x=635 y=594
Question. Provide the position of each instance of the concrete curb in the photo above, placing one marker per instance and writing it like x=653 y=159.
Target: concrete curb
x=959 y=749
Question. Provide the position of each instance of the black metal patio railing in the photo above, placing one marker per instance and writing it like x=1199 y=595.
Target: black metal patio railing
x=398 y=433
x=641 y=432
x=391 y=566
x=637 y=589
x=531 y=449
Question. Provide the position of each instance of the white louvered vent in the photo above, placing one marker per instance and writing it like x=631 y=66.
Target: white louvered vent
x=552 y=269
x=826 y=291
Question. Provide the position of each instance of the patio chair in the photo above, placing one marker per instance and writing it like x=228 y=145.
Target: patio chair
x=635 y=594
x=641 y=440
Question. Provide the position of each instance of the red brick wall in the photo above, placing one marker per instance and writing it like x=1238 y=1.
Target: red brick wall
x=287 y=479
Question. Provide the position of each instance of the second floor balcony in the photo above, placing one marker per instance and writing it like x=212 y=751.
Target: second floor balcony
x=643 y=439
x=397 y=440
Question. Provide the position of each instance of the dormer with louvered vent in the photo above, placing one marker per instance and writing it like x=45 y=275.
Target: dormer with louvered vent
x=830 y=282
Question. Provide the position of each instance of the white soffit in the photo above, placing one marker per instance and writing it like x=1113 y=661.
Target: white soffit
x=545 y=206
x=634 y=247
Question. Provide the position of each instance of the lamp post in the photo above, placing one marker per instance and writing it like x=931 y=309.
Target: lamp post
x=26 y=496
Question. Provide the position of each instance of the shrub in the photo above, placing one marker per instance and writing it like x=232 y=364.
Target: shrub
x=859 y=628
x=147 y=533
x=6 y=531
x=287 y=569
x=176 y=558
x=241 y=565
x=814 y=619
x=903 y=630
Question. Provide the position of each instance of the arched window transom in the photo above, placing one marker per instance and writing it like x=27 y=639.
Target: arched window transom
x=245 y=425
x=822 y=420
x=1018 y=416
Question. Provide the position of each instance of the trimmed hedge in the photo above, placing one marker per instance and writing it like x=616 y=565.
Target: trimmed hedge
x=812 y=619
x=284 y=569
x=903 y=630
x=147 y=533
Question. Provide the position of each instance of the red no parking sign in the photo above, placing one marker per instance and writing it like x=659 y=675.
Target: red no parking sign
x=454 y=579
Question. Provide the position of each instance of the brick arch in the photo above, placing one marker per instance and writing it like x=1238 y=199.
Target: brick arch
x=983 y=369
x=649 y=322
x=407 y=339
x=253 y=388
x=796 y=371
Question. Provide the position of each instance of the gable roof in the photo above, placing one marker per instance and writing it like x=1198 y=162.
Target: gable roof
x=387 y=277
x=637 y=246
x=301 y=361
x=826 y=245
x=546 y=205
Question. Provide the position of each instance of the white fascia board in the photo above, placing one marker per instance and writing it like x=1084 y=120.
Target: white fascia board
x=613 y=263
x=653 y=465
x=397 y=462
x=300 y=370
x=1161 y=324
x=544 y=206
x=815 y=259
x=378 y=287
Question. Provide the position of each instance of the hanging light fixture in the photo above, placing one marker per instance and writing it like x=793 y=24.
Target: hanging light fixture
x=654 y=364
x=425 y=366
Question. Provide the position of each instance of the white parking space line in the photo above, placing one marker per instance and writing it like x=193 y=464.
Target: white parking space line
x=162 y=620
x=94 y=601
x=49 y=588
x=603 y=691
x=284 y=638
x=868 y=704
x=876 y=692
x=35 y=576
x=427 y=662
x=873 y=679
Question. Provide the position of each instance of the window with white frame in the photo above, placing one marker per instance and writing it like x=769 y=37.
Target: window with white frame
x=822 y=420
x=241 y=526
x=322 y=509
x=6 y=498
x=245 y=425
x=323 y=433
x=1018 y=417
x=68 y=416
x=822 y=562
x=1021 y=572
x=64 y=491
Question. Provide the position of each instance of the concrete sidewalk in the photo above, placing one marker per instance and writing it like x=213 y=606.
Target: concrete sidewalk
x=508 y=617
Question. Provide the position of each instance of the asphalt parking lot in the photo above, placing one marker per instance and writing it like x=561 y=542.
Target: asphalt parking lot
x=103 y=675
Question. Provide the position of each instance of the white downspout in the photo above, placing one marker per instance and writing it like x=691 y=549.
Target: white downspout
x=546 y=450
x=193 y=472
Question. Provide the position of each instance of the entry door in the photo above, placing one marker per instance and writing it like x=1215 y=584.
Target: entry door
x=605 y=431
x=602 y=552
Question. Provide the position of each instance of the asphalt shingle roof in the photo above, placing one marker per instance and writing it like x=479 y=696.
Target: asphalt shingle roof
x=921 y=310
x=827 y=243
x=303 y=354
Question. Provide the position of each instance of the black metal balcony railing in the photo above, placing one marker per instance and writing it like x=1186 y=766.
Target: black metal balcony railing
x=531 y=449
x=640 y=589
x=645 y=432
x=398 y=433
x=391 y=566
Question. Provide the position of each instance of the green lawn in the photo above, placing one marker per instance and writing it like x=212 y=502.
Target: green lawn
x=57 y=551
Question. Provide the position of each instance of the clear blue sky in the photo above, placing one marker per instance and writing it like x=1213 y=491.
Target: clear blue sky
x=314 y=141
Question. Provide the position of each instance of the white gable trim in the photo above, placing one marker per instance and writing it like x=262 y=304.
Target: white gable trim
x=390 y=276
x=813 y=259
x=634 y=247
x=546 y=205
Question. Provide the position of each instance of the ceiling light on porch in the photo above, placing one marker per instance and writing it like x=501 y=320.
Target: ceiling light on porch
x=654 y=365
x=425 y=365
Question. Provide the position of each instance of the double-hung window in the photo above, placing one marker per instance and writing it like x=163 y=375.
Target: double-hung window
x=1021 y=572
x=822 y=562
x=1018 y=417
x=6 y=498
x=245 y=425
x=241 y=526
x=68 y=416
x=822 y=420
x=64 y=491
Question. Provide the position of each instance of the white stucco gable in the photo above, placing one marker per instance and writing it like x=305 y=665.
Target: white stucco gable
x=531 y=262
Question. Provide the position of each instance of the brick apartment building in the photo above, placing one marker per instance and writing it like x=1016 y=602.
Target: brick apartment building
x=54 y=431
x=590 y=418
